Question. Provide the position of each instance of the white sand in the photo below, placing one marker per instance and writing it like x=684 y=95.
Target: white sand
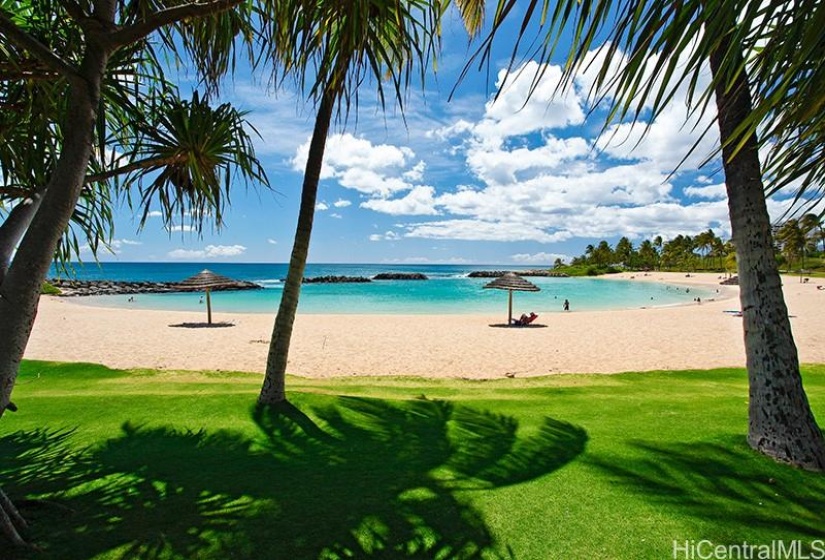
x=692 y=336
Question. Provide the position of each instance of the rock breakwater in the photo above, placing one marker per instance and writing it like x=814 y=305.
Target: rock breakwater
x=536 y=272
x=70 y=288
x=400 y=276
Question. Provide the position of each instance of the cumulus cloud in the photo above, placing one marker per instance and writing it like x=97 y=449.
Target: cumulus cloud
x=541 y=176
x=209 y=252
x=418 y=202
x=378 y=170
x=709 y=192
x=321 y=206
x=341 y=203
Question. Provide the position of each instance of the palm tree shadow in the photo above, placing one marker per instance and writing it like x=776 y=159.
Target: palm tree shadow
x=359 y=478
x=726 y=483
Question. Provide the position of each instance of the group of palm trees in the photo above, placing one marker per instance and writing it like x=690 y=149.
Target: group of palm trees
x=83 y=94
x=797 y=241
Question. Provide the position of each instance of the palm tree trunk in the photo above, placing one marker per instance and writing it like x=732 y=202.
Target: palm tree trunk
x=15 y=226
x=20 y=288
x=11 y=522
x=274 y=386
x=781 y=424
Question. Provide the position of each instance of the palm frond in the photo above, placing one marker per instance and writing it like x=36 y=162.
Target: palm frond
x=199 y=151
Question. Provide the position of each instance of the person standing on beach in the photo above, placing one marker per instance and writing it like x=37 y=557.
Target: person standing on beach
x=566 y=305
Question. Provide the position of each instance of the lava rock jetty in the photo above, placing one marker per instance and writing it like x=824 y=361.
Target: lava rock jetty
x=70 y=288
x=400 y=276
x=336 y=280
x=497 y=273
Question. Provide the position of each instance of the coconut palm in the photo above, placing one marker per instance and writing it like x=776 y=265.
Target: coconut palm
x=648 y=255
x=333 y=49
x=651 y=49
x=792 y=241
x=625 y=252
x=814 y=229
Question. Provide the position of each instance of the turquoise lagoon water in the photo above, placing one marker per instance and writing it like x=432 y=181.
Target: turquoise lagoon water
x=448 y=290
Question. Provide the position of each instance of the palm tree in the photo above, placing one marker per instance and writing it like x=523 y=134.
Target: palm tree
x=648 y=254
x=345 y=44
x=76 y=50
x=814 y=230
x=718 y=250
x=649 y=50
x=590 y=253
x=624 y=251
x=791 y=239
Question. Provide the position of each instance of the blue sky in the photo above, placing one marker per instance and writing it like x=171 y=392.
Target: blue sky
x=466 y=180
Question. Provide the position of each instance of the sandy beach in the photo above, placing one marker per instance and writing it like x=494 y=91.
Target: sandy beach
x=469 y=346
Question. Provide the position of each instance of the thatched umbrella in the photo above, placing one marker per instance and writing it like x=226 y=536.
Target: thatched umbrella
x=206 y=280
x=512 y=282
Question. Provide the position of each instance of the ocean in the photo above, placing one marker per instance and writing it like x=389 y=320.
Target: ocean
x=448 y=290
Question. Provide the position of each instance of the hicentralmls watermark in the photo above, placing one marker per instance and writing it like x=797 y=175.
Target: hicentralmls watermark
x=774 y=550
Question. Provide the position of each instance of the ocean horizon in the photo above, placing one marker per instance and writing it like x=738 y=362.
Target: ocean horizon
x=448 y=289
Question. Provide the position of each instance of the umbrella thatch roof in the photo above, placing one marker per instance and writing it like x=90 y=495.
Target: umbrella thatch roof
x=512 y=281
x=207 y=279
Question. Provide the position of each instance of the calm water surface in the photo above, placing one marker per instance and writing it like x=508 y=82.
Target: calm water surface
x=448 y=290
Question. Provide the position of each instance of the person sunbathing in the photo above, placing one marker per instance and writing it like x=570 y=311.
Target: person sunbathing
x=525 y=319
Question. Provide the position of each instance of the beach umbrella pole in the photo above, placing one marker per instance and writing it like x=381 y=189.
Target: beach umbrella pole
x=510 y=308
x=208 y=307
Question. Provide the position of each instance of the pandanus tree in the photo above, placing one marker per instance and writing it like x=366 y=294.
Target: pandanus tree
x=86 y=105
x=334 y=49
x=767 y=79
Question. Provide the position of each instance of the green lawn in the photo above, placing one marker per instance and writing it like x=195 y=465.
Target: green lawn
x=148 y=464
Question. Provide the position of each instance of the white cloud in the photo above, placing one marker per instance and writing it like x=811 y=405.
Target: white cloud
x=418 y=202
x=539 y=258
x=118 y=243
x=708 y=192
x=341 y=203
x=321 y=206
x=209 y=252
x=271 y=241
x=336 y=215
x=386 y=236
x=479 y=230
x=181 y=228
x=528 y=105
x=358 y=164
x=154 y=214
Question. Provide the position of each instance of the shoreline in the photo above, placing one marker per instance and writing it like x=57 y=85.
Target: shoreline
x=699 y=336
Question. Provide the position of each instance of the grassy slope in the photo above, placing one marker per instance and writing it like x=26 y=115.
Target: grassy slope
x=177 y=465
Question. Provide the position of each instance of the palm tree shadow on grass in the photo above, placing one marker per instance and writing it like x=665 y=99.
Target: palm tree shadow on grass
x=363 y=478
x=727 y=484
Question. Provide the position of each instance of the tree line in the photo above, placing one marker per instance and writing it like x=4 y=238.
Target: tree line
x=798 y=243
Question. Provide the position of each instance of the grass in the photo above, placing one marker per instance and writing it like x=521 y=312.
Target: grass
x=161 y=464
